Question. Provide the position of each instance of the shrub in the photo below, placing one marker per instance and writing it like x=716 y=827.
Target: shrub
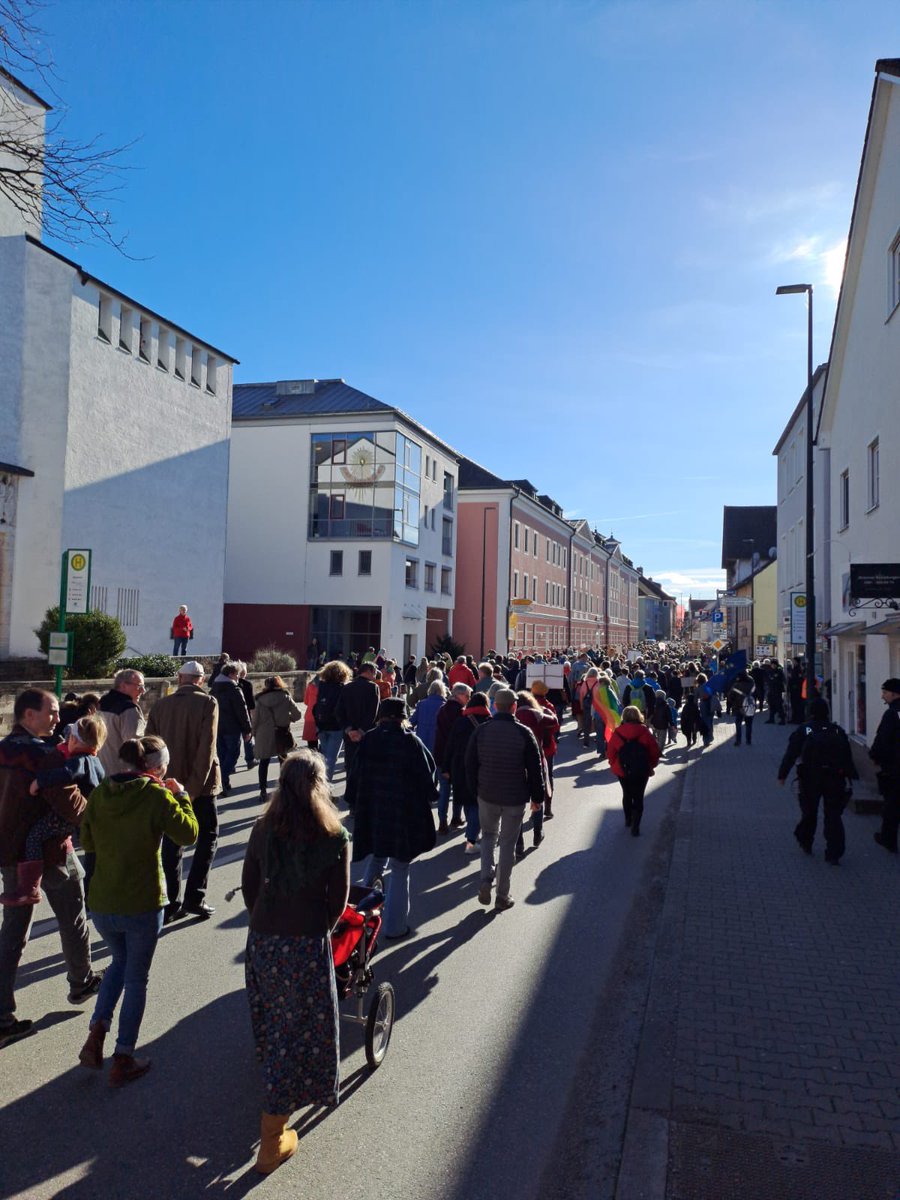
x=446 y=645
x=270 y=659
x=152 y=666
x=99 y=640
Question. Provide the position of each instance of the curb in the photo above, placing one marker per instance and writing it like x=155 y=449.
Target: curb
x=643 y=1170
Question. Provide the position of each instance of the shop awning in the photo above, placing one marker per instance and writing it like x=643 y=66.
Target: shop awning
x=888 y=625
x=846 y=627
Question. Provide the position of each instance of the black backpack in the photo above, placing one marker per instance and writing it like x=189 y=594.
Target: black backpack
x=662 y=717
x=325 y=706
x=633 y=760
x=825 y=749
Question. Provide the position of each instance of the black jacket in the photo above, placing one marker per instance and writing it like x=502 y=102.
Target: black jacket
x=392 y=785
x=885 y=751
x=233 y=715
x=357 y=705
x=845 y=768
x=503 y=763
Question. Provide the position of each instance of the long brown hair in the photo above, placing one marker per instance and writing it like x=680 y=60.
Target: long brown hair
x=301 y=808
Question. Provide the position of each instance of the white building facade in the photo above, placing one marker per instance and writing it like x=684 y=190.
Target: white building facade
x=790 y=450
x=860 y=427
x=114 y=438
x=342 y=524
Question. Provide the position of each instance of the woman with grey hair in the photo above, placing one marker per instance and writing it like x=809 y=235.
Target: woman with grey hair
x=124 y=823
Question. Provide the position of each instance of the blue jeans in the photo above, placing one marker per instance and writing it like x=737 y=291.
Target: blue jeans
x=396 y=903
x=132 y=942
x=179 y=647
x=329 y=745
x=228 y=748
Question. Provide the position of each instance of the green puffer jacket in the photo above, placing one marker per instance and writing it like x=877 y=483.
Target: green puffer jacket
x=123 y=826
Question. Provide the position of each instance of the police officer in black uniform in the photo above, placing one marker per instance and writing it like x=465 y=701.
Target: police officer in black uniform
x=885 y=753
x=824 y=770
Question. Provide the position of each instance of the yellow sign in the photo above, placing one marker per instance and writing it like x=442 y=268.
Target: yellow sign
x=79 y=562
x=718 y=644
x=800 y=601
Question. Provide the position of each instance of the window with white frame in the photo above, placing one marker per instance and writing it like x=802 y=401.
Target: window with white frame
x=535 y=549
x=104 y=319
x=516 y=534
x=337 y=563
x=872 y=475
x=527 y=532
x=844 y=500
x=412 y=572
x=534 y=587
x=430 y=576
x=446 y=580
x=144 y=343
x=126 y=329
x=180 y=358
x=515 y=585
x=164 y=349
x=212 y=368
x=894 y=276
x=196 y=366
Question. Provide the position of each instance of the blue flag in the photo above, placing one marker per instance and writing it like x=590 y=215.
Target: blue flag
x=722 y=680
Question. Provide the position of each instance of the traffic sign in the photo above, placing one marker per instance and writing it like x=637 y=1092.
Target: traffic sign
x=717 y=644
x=718 y=617
x=77 y=569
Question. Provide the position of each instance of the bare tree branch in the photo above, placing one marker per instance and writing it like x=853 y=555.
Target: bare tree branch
x=65 y=185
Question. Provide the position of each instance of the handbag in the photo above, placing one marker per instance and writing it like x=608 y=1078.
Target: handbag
x=284 y=740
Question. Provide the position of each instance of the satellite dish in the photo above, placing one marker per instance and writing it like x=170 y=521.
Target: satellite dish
x=773 y=552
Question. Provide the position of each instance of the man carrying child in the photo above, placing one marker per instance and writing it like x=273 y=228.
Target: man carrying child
x=24 y=753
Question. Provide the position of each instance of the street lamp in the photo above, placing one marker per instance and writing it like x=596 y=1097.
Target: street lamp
x=794 y=289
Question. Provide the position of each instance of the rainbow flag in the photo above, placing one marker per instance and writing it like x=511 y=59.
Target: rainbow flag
x=605 y=701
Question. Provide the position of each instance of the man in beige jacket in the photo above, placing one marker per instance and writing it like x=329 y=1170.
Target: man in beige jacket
x=187 y=721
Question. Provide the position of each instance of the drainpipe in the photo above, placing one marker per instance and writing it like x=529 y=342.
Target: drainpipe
x=515 y=495
x=569 y=591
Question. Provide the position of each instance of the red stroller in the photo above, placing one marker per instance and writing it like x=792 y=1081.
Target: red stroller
x=353 y=944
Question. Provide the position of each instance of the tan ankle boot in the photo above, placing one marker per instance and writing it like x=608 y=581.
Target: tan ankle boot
x=276 y=1143
x=91 y=1054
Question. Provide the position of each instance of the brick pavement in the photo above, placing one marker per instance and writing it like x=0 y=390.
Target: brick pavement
x=770 y=1062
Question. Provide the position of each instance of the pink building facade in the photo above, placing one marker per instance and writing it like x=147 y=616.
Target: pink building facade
x=529 y=580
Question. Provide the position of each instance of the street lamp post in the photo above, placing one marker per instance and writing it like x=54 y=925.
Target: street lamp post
x=794 y=289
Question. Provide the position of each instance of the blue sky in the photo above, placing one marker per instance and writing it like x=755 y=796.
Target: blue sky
x=551 y=231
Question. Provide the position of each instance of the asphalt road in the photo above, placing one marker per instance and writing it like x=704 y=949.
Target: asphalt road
x=477 y=1099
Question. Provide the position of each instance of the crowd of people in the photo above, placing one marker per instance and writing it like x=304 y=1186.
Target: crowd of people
x=443 y=745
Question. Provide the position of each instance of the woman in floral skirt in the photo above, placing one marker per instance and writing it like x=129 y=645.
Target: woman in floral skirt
x=295 y=881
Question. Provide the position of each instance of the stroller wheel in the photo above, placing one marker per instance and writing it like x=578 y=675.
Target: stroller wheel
x=379 y=1024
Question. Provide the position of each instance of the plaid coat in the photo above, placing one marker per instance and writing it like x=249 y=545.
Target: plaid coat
x=391 y=789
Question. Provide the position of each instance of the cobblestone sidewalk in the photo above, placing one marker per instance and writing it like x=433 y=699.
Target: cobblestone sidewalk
x=769 y=1066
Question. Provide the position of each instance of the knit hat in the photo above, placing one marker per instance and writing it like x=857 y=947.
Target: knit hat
x=891 y=685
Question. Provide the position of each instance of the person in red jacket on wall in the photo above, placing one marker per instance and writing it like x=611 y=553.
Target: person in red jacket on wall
x=182 y=632
x=633 y=755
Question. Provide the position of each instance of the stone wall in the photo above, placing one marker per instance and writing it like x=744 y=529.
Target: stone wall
x=156 y=688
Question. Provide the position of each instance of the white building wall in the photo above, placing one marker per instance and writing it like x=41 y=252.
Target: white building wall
x=146 y=479
x=863 y=405
x=127 y=462
x=271 y=560
x=36 y=400
x=21 y=120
